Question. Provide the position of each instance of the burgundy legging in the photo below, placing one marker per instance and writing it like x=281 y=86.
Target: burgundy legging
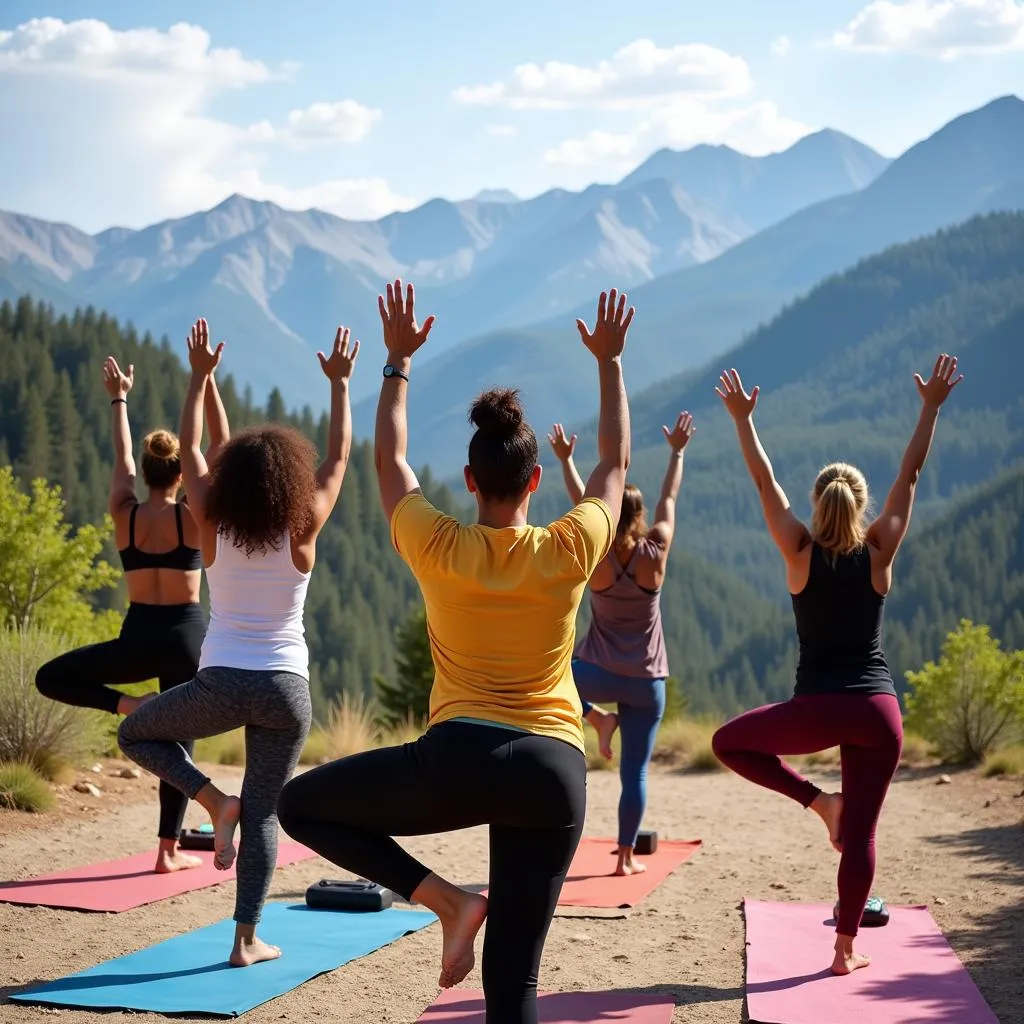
x=868 y=730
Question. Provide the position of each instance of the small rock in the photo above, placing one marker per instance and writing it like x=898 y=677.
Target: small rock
x=620 y=956
x=988 y=803
x=943 y=780
x=87 y=787
x=97 y=769
x=940 y=901
x=777 y=885
x=129 y=773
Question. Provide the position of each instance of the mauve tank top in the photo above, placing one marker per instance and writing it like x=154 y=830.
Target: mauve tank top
x=625 y=635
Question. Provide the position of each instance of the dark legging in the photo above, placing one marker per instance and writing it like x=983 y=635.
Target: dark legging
x=641 y=705
x=868 y=730
x=161 y=642
x=530 y=790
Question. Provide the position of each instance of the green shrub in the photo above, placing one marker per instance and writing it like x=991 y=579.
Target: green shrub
x=1004 y=762
x=33 y=729
x=22 y=788
x=971 y=701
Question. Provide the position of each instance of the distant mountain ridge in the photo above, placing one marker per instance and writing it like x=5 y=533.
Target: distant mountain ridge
x=274 y=282
x=974 y=165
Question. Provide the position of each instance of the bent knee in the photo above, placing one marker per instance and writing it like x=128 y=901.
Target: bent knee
x=290 y=808
x=721 y=742
x=47 y=682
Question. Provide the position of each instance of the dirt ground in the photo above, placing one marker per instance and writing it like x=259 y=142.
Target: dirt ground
x=957 y=847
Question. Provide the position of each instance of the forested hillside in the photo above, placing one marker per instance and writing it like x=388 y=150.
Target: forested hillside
x=55 y=423
x=835 y=371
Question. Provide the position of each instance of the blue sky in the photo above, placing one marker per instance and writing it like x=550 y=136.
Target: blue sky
x=114 y=116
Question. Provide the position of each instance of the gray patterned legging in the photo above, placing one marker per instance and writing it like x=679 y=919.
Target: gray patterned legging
x=275 y=709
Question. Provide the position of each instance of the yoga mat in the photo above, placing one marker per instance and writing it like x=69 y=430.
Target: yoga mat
x=118 y=885
x=590 y=882
x=459 y=1006
x=914 y=977
x=190 y=973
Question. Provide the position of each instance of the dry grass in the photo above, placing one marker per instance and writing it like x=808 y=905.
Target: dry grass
x=227 y=748
x=1008 y=761
x=315 y=749
x=686 y=742
x=22 y=788
x=596 y=762
x=916 y=750
x=350 y=728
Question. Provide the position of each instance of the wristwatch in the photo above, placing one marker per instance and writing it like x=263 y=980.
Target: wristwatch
x=394 y=371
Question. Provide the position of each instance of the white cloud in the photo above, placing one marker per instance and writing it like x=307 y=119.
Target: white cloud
x=782 y=46
x=113 y=127
x=501 y=131
x=633 y=77
x=757 y=128
x=939 y=28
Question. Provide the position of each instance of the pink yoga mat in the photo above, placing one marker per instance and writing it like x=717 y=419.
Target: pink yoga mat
x=460 y=1006
x=590 y=882
x=118 y=885
x=914 y=978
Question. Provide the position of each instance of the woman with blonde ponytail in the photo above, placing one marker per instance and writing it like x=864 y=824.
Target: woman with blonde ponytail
x=622 y=659
x=163 y=631
x=838 y=572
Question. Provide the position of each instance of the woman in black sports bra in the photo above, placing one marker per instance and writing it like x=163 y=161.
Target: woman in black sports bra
x=163 y=631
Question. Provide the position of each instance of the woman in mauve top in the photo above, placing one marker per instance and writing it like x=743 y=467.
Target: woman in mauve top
x=838 y=573
x=504 y=743
x=622 y=658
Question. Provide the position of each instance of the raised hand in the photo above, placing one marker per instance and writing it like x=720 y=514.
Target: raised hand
x=608 y=338
x=118 y=384
x=201 y=357
x=936 y=389
x=738 y=403
x=563 y=447
x=402 y=335
x=342 y=360
x=679 y=436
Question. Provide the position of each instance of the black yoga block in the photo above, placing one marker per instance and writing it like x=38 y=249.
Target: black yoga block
x=646 y=843
x=193 y=839
x=876 y=913
x=331 y=894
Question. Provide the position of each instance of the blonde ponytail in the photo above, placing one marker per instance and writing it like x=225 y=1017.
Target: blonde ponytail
x=840 y=502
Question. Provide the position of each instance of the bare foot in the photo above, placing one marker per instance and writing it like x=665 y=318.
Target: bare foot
x=605 y=731
x=846 y=961
x=126 y=705
x=627 y=864
x=459 y=931
x=829 y=807
x=252 y=951
x=173 y=859
x=225 y=821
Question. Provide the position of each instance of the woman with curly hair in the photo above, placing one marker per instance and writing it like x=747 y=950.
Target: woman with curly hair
x=163 y=630
x=259 y=508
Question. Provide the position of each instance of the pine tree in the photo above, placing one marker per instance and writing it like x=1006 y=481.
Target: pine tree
x=409 y=695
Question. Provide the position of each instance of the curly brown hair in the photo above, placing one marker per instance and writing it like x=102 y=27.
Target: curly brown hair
x=262 y=487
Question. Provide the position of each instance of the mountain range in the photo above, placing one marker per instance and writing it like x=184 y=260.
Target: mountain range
x=973 y=165
x=275 y=282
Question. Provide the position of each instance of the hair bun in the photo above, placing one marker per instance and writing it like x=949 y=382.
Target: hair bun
x=161 y=444
x=497 y=411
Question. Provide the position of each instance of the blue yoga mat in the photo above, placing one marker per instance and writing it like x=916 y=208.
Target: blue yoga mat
x=190 y=973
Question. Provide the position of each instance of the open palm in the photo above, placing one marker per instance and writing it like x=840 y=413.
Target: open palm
x=562 y=446
x=937 y=388
x=118 y=384
x=679 y=436
x=608 y=338
x=340 y=363
x=201 y=357
x=738 y=403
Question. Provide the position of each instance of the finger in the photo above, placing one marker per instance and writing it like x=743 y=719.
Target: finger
x=726 y=382
x=621 y=309
x=666 y=432
x=613 y=295
x=551 y=440
x=410 y=301
x=323 y=361
x=572 y=442
x=735 y=378
x=629 y=319
x=220 y=348
x=938 y=366
x=756 y=391
x=953 y=383
x=399 y=301
x=919 y=380
x=601 y=307
x=391 y=300
x=355 y=351
x=950 y=368
x=382 y=309
x=204 y=333
x=720 y=393
x=582 y=328
x=425 y=329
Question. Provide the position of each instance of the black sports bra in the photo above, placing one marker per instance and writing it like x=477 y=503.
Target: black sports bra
x=182 y=557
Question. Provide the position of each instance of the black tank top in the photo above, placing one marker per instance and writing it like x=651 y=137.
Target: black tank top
x=839 y=623
x=182 y=557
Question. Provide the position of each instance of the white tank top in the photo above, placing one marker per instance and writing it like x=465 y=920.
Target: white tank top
x=256 y=607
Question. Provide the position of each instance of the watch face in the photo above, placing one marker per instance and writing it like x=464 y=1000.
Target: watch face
x=389 y=371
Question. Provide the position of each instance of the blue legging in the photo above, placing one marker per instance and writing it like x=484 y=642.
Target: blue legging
x=641 y=706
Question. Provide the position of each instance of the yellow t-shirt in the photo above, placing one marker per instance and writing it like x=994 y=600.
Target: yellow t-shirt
x=501 y=612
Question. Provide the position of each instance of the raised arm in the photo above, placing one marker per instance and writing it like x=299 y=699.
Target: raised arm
x=402 y=338
x=122 y=481
x=790 y=535
x=563 y=448
x=194 y=469
x=338 y=371
x=606 y=344
x=664 y=526
x=888 y=530
x=216 y=419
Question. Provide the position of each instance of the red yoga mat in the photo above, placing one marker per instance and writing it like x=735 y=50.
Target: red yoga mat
x=118 y=885
x=914 y=977
x=590 y=882
x=460 y=1006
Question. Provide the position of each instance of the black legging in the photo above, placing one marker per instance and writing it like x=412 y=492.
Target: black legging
x=530 y=790
x=160 y=642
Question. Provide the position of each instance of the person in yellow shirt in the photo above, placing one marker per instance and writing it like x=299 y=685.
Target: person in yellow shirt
x=504 y=743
